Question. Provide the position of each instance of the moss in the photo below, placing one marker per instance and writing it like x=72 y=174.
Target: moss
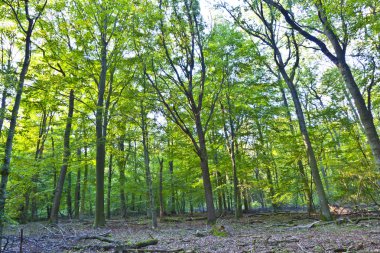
x=219 y=231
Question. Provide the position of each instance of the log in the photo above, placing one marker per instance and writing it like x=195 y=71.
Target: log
x=195 y=218
x=153 y=250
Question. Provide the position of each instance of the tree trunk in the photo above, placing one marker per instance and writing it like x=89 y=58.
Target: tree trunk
x=301 y=169
x=12 y=126
x=149 y=184
x=3 y=108
x=100 y=136
x=68 y=196
x=77 y=187
x=109 y=188
x=121 y=165
x=325 y=212
x=65 y=161
x=172 y=198
x=85 y=182
x=202 y=153
x=161 y=197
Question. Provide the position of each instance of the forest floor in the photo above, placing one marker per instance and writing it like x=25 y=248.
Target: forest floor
x=283 y=232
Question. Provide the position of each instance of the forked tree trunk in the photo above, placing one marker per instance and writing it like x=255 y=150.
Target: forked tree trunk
x=65 y=162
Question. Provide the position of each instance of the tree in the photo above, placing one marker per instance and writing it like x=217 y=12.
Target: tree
x=267 y=34
x=65 y=161
x=187 y=78
x=329 y=17
x=31 y=16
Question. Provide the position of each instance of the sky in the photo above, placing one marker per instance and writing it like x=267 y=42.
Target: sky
x=209 y=13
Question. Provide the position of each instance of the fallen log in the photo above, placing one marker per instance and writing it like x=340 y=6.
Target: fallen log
x=153 y=250
x=195 y=218
x=117 y=246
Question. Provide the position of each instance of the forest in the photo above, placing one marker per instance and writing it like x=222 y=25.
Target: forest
x=189 y=126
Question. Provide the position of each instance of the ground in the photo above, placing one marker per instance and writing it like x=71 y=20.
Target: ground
x=283 y=232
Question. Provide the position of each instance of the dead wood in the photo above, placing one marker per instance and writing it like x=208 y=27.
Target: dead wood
x=153 y=250
x=283 y=241
x=195 y=218
x=169 y=219
x=357 y=221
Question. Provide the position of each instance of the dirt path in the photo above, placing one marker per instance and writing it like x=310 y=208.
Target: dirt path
x=255 y=233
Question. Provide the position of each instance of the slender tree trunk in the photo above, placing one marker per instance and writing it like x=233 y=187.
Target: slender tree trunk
x=301 y=169
x=109 y=188
x=339 y=59
x=231 y=142
x=65 y=162
x=202 y=153
x=5 y=168
x=77 y=187
x=68 y=196
x=172 y=192
x=100 y=137
x=3 y=107
x=85 y=182
x=151 y=205
x=325 y=211
x=161 y=197
x=121 y=165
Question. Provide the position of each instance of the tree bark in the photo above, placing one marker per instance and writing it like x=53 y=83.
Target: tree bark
x=121 y=165
x=100 y=136
x=300 y=166
x=68 y=196
x=85 y=183
x=172 y=192
x=77 y=187
x=325 y=211
x=109 y=187
x=161 y=197
x=65 y=162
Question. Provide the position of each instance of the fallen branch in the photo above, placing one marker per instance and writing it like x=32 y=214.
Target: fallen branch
x=283 y=241
x=153 y=250
x=116 y=245
x=357 y=221
x=195 y=218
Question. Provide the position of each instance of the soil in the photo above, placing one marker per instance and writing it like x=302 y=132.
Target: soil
x=283 y=232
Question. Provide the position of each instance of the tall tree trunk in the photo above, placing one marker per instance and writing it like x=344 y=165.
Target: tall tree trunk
x=109 y=188
x=231 y=143
x=5 y=168
x=301 y=169
x=207 y=186
x=68 y=196
x=325 y=211
x=65 y=162
x=172 y=192
x=100 y=136
x=121 y=165
x=85 y=182
x=339 y=59
x=161 y=197
x=3 y=107
x=77 y=187
x=149 y=184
